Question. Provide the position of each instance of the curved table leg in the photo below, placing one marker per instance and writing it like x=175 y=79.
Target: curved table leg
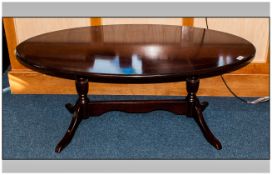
x=71 y=108
x=76 y=119
x=205 y=129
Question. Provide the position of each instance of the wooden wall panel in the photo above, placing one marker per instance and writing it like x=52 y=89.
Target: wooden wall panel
x=96 y=21
x=20 y=29
x=36 y=83
x=29 y=27
x=188 y=21
x=256 y=30
x=168 y=21
x=12 y=43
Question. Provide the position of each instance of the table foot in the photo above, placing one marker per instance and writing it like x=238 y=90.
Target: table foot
x=203 y=105
x=70 y=132
x=205 y=129
x=70 y=107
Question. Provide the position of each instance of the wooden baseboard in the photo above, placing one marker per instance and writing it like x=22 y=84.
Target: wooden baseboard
x=30 y=82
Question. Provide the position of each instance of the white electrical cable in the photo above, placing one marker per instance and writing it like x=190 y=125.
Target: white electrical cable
x=259 y=100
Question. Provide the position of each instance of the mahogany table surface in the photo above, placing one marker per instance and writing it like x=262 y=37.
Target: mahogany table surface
x=135 y=53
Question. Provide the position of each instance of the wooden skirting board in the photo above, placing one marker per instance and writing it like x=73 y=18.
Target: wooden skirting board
x=30 y=82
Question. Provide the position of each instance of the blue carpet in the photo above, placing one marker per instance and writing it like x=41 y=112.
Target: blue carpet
x=33 y=125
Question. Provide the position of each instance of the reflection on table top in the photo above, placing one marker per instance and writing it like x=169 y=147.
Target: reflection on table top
x=136 y=51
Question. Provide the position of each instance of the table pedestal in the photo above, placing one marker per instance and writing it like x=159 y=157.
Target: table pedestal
x=84 y=108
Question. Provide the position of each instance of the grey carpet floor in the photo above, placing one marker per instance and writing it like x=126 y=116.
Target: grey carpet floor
x=33 y=125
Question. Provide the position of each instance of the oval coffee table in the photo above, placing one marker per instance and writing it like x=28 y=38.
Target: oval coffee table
x=136 y=54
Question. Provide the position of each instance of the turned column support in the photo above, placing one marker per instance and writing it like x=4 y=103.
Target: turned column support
x=82 y=88
x=192 y=85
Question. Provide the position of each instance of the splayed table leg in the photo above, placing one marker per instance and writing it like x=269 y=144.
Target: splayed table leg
x=195 y=109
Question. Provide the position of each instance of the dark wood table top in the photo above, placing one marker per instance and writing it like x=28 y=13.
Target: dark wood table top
x=135 y=53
